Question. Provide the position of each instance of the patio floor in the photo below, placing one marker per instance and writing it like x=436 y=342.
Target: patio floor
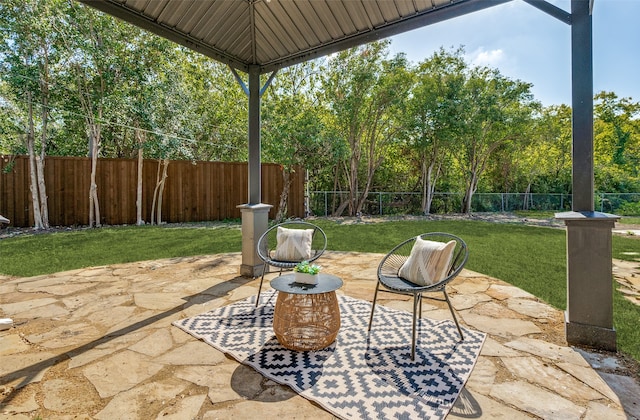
x=98 y=343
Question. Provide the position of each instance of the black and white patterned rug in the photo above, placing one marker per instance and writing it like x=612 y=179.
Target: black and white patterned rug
x=360 y=376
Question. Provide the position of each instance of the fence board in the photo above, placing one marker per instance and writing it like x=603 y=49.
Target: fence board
x=193 y=192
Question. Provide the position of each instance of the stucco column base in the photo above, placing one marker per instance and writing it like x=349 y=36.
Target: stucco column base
x=589 y=315
x=590 y=335
x=255 y=221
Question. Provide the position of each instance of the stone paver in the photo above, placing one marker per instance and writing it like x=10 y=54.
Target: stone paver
x=120 y=372
x=537 y=401
x=548 y=350
x=508 y=327
x=12 y=344
x=478 y=406
x=97 y=343
x=9 y=309
x=551 y=378
x=138 y=402
x=531 y=308
x=627 y=275
x=60 y=396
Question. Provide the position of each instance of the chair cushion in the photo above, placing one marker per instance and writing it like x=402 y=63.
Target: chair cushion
x=293 y=244
x=428 y=262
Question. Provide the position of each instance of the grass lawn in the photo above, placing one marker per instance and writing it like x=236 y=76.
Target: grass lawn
x=532 y=258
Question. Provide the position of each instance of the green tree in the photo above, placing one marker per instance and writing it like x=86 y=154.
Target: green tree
x=543 y=163
x=95 y=61
x=493 y=112
x=616 y=143
x=432 y=126
x=365 y=92
x=292 y=126
x=29 y=59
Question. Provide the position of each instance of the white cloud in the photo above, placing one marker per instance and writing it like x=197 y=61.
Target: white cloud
x=481 y=57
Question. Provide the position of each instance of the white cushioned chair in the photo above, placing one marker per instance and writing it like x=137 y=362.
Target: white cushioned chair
x=286 y=244
x=422 y=264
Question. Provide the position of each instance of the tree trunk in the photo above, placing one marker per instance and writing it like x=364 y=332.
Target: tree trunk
x=94 y=205
x=468 y=194
x=42 y=188
x=284 y=196
x=353 y=186
x=341 y=208
x=156 y=205
x=527 y=195
x=33 y=184
x=432 y=179
x=165 y=165
x=93 y=127
x=154 y=201
x=336 y=187
x=139 y=220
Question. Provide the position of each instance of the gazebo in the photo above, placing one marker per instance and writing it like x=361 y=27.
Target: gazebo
x=262 y=36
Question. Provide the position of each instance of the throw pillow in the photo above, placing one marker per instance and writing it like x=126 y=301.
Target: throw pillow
x=293 y=244
x=428 y=262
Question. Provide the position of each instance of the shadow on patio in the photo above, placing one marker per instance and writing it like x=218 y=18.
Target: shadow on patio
x=98 y=342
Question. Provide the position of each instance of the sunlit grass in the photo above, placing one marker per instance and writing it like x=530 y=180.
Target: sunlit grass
x=629 y=220
x=531 y=258
x=536 y=214
x=61 y=251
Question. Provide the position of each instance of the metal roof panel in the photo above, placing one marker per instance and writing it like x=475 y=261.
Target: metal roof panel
x=194 y=15
x=358 y=15
x=269 y=22
x=277 y=33
x=173 y=12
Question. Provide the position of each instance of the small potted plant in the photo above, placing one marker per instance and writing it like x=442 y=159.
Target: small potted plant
x=306 y=273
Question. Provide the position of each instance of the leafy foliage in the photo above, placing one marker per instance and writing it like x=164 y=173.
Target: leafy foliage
x=360 y=120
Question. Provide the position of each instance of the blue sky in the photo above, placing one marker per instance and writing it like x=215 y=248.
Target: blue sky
x=527 y=44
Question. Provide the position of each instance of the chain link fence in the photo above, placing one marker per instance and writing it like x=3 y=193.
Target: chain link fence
x=325 y=203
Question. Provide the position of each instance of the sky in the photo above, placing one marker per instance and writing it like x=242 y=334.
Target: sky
x=527 y=44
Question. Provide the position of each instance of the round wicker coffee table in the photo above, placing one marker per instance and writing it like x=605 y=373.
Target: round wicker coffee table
x=306 y=316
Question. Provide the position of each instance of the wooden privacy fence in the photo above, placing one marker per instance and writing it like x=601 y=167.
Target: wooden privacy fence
x=194 y=191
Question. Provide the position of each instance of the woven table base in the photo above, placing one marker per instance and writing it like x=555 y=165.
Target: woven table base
x=306 y=322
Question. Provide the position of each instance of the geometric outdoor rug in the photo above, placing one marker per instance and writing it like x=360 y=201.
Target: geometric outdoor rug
x=360 y=376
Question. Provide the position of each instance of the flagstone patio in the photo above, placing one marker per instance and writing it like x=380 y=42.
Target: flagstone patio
x=98 y=343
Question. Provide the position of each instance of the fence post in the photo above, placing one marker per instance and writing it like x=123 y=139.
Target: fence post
x=326 y=209
x=380 y=202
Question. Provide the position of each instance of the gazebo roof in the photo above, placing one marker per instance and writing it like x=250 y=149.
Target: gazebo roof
x=272 y=34
x=260 y=36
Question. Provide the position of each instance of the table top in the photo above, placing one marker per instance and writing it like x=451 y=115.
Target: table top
x=326 y=283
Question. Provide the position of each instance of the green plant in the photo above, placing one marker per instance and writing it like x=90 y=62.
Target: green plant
x=305 y=267
x=629 y=209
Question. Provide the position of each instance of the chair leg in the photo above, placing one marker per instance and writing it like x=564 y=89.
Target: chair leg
x=373 y=305
x=446 y=296
x=416 y=299
x=264 y=268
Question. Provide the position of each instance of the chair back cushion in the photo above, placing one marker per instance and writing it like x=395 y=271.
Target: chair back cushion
x=293 y=244
x=428 y=262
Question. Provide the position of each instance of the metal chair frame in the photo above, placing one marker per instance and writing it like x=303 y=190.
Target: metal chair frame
x=390 y=281
x=267 y=245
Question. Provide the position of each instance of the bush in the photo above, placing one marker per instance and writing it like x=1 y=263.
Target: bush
x=629 y=209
